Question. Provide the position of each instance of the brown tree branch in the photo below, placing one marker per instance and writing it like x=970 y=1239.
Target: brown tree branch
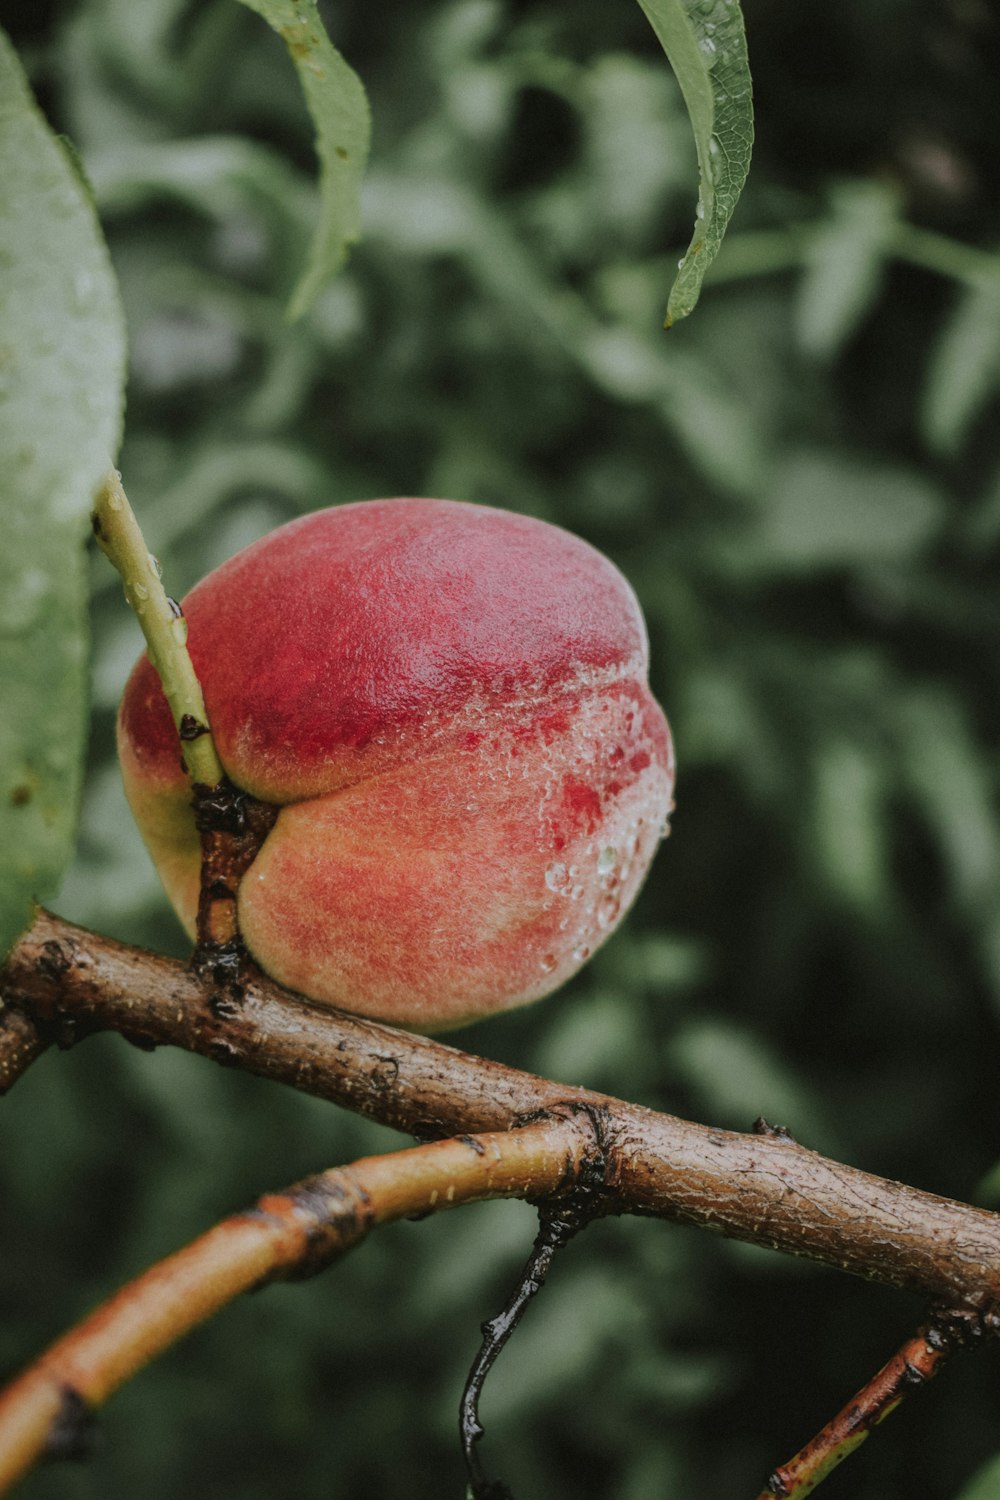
x=294 y=1233
x=918 y=1361
x=763 y=1188
x=21 y=1042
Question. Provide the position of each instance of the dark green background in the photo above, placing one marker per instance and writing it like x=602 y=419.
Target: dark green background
x=816 y=548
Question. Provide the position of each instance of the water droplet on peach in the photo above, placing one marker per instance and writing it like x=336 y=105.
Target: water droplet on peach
x=608 y=909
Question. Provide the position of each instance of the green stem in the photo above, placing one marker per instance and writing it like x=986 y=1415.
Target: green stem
x=936 y=252
x=121 y=541
x=764 y=252
x=761 y=252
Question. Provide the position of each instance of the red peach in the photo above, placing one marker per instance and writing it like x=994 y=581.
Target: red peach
x=449 y=705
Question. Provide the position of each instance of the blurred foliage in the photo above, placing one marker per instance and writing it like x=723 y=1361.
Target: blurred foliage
x=803 y=482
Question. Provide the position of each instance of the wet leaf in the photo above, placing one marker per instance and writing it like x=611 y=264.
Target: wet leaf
x=706 y=47
x=338 y=105
x=61 y=373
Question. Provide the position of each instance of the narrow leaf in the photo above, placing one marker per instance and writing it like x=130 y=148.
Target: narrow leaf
x=985 y=1483
x=965 y=368
x=706 y=47
x=338 y=105
x=62 y=361
x=845 y=262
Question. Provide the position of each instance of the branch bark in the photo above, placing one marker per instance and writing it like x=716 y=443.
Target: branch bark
x=21 y=1042
x=763 y=1188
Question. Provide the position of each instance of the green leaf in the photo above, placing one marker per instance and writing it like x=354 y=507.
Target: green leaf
x=965 y=367
x=845 y=263
x=735 y=1076
x=706 y=47
x=985 y=1483
x=953 y=786
x=338 y=105
x=62 y=363
x=849 y=822
x=828 y=511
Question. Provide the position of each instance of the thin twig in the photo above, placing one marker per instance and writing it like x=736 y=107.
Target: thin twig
x=765 y=1189
x=290 y=1234
x=918 y=1361
x=560 y=1218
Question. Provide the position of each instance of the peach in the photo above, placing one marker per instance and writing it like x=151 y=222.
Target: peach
x=449 y=705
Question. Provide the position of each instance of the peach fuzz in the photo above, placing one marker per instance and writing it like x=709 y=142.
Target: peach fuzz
x=449 y=705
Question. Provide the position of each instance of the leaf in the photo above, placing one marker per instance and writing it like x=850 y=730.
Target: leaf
x=736 y=1076
x=828 y=511
x=845 y=263
x=338 y=105
x=952 y=782
x=849 y=822
x=985 y=1483
x=706 y=47
x=62 y=363
x=965 y=367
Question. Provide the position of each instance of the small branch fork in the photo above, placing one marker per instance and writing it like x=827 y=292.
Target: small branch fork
x=64 y=983
x=763 y=1188
x=561 y=1215
x=291 y=1234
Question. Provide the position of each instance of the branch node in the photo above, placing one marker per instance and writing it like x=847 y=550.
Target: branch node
x=221 y=964
x=332 y=1212
x=233 y=825
x=53 y=961
x=74 y=1428
x=761 y=1126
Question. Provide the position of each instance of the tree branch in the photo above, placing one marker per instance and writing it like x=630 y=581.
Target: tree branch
x=918 y=1361
x=294 y=1233
x=763 y=1188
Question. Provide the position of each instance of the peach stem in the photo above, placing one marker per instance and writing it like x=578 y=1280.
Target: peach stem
x=120 y=539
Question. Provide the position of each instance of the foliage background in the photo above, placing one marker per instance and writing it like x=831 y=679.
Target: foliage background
x=803 y=482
